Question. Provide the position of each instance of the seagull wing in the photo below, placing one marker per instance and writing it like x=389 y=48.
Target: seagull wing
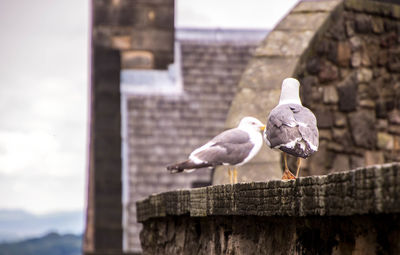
x=281 y=127
x=230 y=147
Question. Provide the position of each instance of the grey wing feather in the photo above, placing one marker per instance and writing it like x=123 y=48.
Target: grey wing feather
x=234 y=136
x=230 y=147
x=290 y=122
x=280 y=126
x=309 y=131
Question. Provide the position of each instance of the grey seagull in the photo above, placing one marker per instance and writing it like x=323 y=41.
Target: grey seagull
x=291 y=127
x=233 y=147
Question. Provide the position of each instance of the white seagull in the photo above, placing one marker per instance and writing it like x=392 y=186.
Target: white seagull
x=291 y=127
x=233 y=147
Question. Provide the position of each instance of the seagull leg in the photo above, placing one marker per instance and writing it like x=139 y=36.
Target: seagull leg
x=287 y=175
x=234 y=175
x=230 y=176
x=298 y=167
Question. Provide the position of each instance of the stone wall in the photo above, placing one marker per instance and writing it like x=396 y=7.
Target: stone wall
x=351 y=80
x=345 y=54
x=353 y=212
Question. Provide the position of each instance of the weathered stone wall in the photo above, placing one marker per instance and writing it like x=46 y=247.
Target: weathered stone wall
x=353 y=212
x=345 y=54
x=351 y=80
x=275 y=59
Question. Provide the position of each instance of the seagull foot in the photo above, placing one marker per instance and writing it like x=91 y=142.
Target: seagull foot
x=287 y=175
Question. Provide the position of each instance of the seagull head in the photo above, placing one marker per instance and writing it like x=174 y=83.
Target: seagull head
x=290 y=92
x=251 y=123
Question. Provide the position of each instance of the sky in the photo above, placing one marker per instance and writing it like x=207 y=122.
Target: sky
x=44 y=91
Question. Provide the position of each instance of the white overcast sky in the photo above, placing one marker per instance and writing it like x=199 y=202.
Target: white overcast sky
x=44 y=85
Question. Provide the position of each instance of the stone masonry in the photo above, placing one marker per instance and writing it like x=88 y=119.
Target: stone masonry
x=352 y=212
x=351 y=81
x=345 y=55
x=275 y=59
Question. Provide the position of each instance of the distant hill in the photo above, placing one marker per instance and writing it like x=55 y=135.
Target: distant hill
x=50 y=244
x=16 y=225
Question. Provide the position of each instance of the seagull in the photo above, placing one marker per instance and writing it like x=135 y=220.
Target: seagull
x=233 y=147
x=291 y=127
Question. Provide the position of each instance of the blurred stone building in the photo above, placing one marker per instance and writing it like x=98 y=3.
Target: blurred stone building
x=157 y=93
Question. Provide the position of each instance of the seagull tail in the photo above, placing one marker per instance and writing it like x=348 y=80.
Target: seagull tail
x=186 y=165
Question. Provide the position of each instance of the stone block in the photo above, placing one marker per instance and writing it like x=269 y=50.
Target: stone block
x=355 y=43
x=394 y=129
x=327 y=47
x=340 y=119
x=313 y=65
x=342 y=136
x=384 y=107
x=325 y=134
x=394 y=117
x=367 y=103
x=324 y=118
x=347 y=91
x=362 y=23
x=330 y=95
x=382 y=124
x=122 y=42
x=364 y=75
x=328 y=72
x=363 y=130
x=389 y=41
x=343 y=54
x=357 y=161
x=356 y=59
x=385 y=141
x=341 y=163
x=374 y=157
x=377 y=25
x=133 y=59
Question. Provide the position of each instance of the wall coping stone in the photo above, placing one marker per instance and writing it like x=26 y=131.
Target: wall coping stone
x=374 y=7
x=369 y=190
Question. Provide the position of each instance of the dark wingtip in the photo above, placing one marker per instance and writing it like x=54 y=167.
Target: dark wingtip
x=173 y=169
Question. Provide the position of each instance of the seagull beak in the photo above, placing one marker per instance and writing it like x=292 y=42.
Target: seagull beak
x=262 y=128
